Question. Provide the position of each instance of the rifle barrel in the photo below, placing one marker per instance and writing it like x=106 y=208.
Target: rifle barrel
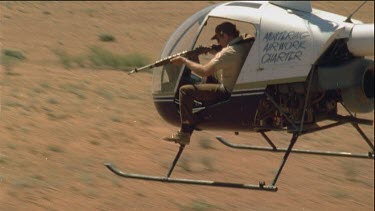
x=135 y=70
x=167 y=60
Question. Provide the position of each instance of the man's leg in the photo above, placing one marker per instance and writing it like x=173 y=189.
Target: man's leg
x=202 y=92
x=189 y=93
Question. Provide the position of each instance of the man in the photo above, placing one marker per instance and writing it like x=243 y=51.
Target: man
x=226 y=65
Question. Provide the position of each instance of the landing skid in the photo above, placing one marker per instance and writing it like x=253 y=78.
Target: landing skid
x=189 y=181
x=369 y=155
x=260 y=186
x=340 y=120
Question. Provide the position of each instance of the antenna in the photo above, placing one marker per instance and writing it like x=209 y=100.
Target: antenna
x=349 y=19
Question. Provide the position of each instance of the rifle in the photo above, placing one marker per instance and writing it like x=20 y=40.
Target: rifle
x=195 y=52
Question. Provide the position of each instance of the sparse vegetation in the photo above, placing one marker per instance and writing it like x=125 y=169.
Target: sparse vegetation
x=140 y=194
x=116 y=182
x=86 y=179
x=13 y=53
x=338 y=194
x=116 y=118
x=25 y=183
x=24 y=129
x=198 y=205
x=37 y=177
x=10 y=57
x=184 y=163
x=98 y=57
x=94 y=142
x=45 y=85
x=105 y=37
x=90 y=12
x=56 y=116
x=69 y=61
x=52 y=101
x=11 y=146
x=101 y=58
x=351 y=173
x=64 y=58
x=104 y=93
x=206 y=143
x=3 y=159
x=76 y=89
x=37 y=90
x=55 y=148
x=208 y=163
x=10 y=103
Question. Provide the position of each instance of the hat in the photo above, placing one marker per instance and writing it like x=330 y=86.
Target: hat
x=225 y=27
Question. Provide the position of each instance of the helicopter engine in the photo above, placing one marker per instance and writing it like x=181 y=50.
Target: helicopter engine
x=351 y=83
x=291 y=101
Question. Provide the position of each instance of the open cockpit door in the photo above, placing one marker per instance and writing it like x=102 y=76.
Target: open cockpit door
x=247 y=30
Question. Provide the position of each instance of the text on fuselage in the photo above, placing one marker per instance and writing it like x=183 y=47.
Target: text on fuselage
x=283 y=47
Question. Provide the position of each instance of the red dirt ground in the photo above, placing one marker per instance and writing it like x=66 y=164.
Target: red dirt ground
x=58 y=126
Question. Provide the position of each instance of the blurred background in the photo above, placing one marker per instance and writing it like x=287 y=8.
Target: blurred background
x=68 y=106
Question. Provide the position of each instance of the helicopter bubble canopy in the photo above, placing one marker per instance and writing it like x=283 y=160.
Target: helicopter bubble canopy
x=165 y=78
x=197 y=30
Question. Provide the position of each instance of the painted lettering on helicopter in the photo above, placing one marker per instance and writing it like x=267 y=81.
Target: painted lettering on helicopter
x=285 y=46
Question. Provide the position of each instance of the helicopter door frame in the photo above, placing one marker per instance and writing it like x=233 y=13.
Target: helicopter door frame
x=202 y=24
x=182 y=70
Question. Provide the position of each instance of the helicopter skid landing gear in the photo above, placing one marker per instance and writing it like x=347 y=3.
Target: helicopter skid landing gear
x=340 y=120
x=260 y=186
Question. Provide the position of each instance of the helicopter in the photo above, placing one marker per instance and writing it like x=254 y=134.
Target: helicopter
x=301 y=66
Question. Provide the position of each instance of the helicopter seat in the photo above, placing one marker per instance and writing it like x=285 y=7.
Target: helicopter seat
x=208 y=104
x=205 y=103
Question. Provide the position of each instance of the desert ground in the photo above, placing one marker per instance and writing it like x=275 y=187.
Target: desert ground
x=60 y=122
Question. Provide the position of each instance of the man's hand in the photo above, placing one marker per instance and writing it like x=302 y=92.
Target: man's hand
x=199 y=69
x=179 y=60
x=215 y=49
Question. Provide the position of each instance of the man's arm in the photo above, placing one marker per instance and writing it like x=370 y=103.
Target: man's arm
x=199 y=69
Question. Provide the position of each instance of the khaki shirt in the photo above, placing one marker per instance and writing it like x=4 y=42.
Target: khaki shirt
x=228 y=62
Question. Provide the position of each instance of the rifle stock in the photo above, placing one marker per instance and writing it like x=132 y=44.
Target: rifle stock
x=195 y=52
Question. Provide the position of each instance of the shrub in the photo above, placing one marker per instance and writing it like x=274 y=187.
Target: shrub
x=16 y=54
x=103 y=58
x=65 y=59
x=9 y=57
x=106 y=37
x=69 y=61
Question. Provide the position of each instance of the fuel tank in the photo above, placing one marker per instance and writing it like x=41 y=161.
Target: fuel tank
x=354 y=79
x=361 y=41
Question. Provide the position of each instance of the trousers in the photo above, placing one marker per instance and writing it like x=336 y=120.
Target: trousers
x=202 y=92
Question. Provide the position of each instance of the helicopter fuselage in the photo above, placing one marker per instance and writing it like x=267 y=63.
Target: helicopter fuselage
x=301 y=65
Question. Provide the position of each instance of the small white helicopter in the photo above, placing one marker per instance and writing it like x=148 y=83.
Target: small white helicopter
x=302 y=64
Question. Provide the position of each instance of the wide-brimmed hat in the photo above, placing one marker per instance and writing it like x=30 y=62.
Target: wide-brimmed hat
x=226 y=27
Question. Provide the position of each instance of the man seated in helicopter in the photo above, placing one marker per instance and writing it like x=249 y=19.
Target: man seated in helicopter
x=225 y=66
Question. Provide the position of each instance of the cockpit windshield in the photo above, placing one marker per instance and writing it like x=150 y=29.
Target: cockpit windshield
x=165 y=78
